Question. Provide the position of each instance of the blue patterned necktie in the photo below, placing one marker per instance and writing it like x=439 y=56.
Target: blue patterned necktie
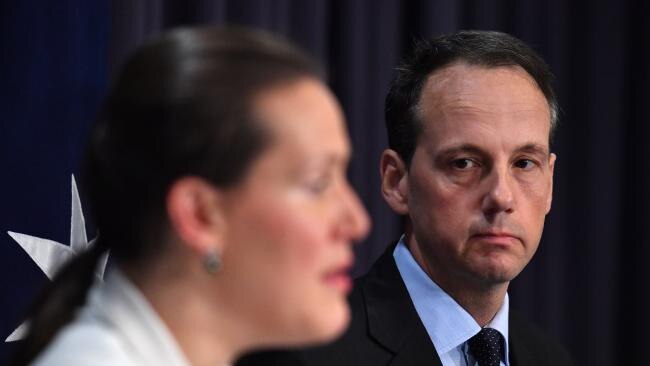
x=486 y=347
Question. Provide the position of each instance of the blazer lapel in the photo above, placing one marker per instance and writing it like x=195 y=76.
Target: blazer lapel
x=392 y=319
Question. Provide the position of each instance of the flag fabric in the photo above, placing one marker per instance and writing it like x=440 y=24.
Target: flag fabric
x=51 y=256
x=53 y=75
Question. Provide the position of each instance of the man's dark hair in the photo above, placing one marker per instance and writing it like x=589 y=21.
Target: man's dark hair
x=479 y=48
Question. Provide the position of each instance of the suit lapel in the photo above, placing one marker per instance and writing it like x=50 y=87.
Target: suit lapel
x=392 y=319
x=520 y=354
x=417 y=351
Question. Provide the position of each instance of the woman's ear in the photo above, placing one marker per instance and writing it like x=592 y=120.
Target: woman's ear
x=195 y=215
x=394 y=181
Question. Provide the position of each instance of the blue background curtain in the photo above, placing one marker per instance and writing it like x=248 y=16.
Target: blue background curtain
x=589 y=282
x=53 y=74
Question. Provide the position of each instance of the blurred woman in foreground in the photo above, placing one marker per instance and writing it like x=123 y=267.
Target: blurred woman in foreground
x=217 y=177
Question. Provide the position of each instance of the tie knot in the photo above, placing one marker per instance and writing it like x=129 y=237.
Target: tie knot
x=485 y=346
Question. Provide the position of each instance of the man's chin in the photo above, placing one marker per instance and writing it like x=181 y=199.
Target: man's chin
x=496 y=278
x=496 y=272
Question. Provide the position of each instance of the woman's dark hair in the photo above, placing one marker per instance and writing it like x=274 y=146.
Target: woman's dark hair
x=183 y=105
x=488 y=49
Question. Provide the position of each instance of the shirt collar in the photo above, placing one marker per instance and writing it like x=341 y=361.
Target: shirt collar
x=120 y=304
x=447 y=323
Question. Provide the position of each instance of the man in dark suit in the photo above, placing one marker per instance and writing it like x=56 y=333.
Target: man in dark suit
x=470 y=117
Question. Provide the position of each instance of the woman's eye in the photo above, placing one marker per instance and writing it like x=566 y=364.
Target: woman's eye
x=318 y=186
x=463 y=164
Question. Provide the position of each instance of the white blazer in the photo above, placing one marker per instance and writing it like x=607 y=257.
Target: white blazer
x=117 y=326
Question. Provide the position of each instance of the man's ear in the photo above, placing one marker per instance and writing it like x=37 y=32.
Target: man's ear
x=551 y=166
x=194 y=214
x=394 y=181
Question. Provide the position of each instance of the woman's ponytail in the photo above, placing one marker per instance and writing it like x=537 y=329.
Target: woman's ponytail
x=58 y=303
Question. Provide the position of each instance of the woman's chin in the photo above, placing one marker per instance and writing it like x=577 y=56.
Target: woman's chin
x=325 y=325
x=336 y=324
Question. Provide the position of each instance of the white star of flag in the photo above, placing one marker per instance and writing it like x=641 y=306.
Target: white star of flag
x=50 y=255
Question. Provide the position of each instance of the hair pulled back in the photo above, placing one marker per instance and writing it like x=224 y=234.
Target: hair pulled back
x=182 y=105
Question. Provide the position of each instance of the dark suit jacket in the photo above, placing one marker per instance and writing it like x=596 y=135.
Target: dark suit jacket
x=386 y=330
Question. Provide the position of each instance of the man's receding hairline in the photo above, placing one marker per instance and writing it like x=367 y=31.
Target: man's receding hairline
x=418 y=109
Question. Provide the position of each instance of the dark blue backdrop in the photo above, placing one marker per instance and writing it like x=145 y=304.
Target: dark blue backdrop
x=588 y=283
x=53 y=73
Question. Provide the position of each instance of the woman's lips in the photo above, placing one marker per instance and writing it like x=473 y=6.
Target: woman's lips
x=340 y=279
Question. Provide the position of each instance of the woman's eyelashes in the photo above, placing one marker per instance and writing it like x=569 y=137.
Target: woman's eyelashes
x=319 y=183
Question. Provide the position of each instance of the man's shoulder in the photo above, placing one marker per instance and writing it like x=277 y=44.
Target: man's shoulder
x=531 y=345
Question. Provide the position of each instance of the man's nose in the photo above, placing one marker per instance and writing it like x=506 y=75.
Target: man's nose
x=499 y=195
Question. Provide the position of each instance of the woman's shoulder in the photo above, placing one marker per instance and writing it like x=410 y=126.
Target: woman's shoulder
x=85 y=343
x=116 y=326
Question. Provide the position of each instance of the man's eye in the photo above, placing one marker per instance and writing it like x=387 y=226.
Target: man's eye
x=464 y=164
x=525 y=164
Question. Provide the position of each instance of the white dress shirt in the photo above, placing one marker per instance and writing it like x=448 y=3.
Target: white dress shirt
x=449 y=325
x=117 y=326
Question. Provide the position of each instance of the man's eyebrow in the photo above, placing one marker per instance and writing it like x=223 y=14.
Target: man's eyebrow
x=466 y=148
x=534 y=148
x=530 y=148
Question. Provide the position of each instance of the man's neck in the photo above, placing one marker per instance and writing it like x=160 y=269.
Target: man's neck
x=480 y=299
x=481 y=305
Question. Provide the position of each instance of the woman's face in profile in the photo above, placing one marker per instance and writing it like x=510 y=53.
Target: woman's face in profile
x=291 y=221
